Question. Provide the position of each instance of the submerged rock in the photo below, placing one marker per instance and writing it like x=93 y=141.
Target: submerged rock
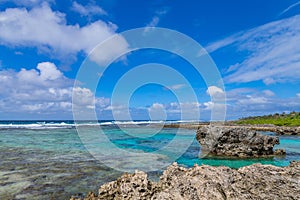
x=236 y=142
x=207 y=182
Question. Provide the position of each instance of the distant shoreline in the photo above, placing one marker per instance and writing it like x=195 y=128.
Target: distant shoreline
x=280 y=130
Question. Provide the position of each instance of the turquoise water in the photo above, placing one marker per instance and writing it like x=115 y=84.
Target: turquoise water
x=42 y=161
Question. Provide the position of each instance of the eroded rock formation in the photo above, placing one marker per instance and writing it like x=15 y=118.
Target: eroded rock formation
x=206 y=182
x=236 y=142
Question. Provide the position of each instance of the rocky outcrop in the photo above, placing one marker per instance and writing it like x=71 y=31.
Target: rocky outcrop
x=280 y=130
x=287 y=130
x=236 y=142
x=206 y=182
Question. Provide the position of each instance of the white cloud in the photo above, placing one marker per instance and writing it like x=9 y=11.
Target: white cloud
x=233 y=67
x=83 y=97
x=214 y=90
x=48 y=71
x=289 y=8
x=157 y=106
x=269 y=81
x=176 y=87
x=109 y=51
x=269 y=93
x=49 y=31
x=216 y=93
x=153 y=22
x=298 y=94
x=250 y=100
x=212 y=105
x=43 y=90
x=27 y=3
x=242 y=102
x=273 y=52
x=222 y=43
x=88 y=10
x=119 y=111
x=184 y=110
x=208 y=105
x=156 y=18
x=157 y=112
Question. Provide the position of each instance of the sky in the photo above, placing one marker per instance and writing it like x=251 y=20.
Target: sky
x=45 y=45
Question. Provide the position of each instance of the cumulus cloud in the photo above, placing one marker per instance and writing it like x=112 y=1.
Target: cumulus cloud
x=244 y=102
x=32 y=90
x=216 y=93
x=43 y=90
x=48 y=71
x=49 y=31
x=212 y=105
x=273 y=52
x=88 y=10
x=157 y=112
x=298 y=94
x=27 y=3
x=83 y=97
x=269 y=93
x=183 y=110
x=119 y=111
x=110 y=51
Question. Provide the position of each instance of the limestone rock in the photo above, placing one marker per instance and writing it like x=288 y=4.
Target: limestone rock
x=235 y=142
x=207 y=182
x=279 y=152
x=128 y=186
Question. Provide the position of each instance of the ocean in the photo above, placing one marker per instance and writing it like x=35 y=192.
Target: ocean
x=47 y=159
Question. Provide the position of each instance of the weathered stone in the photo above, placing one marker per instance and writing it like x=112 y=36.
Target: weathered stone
x=207 y=182
x=236 y=142
x=279 y=152
x=128 y=186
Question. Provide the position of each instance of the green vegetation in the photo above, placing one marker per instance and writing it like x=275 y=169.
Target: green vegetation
x=291 y=119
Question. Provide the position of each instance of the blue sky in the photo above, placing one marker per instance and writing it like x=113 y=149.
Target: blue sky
x=254 y=44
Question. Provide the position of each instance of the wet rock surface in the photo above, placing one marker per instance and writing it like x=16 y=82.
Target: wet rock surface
x=236 y=142
x=207 y=182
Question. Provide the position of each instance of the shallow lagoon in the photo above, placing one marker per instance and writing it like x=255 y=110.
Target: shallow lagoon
x=51 y=162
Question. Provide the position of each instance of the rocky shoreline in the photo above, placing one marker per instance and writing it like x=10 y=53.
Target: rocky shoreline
x=256 y=181
x=280 y=130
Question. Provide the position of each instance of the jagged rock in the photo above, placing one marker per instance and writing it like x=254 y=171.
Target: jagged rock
x=128 y=186
x=280 y=130
x=256 y=181
x=279 y=152
x=234 y=142
x=287 y=130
